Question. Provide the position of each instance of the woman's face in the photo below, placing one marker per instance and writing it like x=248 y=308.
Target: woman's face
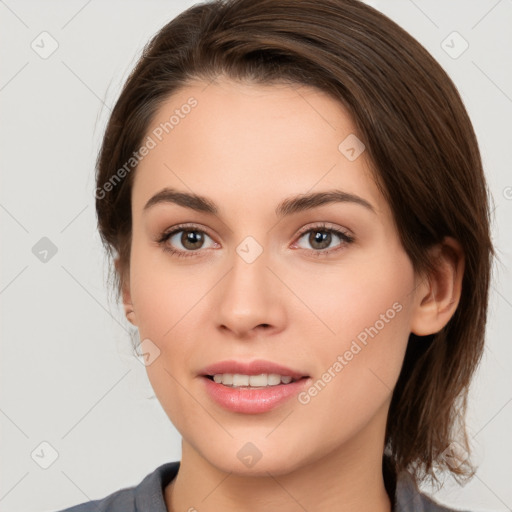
x=287 y=264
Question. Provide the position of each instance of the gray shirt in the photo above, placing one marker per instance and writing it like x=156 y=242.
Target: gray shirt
x=148 y=495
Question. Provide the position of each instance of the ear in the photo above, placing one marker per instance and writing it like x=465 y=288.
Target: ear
x=125 y=286
x=438 y=294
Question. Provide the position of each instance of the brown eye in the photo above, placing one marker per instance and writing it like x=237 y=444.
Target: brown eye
x=192 y=239
x=186 y=241
x=320 y=239
x=323 y=240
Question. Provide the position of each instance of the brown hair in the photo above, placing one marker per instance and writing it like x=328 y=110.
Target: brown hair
x=418 y=137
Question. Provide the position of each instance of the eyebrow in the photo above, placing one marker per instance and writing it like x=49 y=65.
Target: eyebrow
x=287 y=207
x=313 y=200
x=185 y=199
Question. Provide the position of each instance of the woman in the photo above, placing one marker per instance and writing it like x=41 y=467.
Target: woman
x=294 y=200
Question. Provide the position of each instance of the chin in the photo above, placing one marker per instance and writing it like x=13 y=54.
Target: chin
x=258 y=458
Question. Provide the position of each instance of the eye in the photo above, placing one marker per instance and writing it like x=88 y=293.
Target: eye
x=185 y=240
x=321 y=238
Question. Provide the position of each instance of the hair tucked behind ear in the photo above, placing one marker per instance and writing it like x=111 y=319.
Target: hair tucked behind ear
x=418 y=136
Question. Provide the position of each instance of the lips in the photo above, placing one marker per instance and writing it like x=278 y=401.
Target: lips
x=226 y=384
x=257 y=367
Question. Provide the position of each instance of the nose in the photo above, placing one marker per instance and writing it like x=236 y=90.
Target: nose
x=249 y=300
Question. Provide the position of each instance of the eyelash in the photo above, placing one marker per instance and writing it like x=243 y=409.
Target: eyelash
x=323 y=228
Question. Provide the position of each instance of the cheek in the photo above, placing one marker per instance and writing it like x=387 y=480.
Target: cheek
x=359 y=298
x=163 y=294
x=368 y=309
x=362 y=308
x=168 y=300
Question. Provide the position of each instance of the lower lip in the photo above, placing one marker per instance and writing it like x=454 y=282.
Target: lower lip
x=255 y=400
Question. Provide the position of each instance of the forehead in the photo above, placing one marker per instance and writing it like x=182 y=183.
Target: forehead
x=252 y=144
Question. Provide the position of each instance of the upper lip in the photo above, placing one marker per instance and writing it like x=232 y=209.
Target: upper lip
x=256 y=367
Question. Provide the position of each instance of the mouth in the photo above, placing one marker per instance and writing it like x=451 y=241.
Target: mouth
x=257 y=373
x=263 y=380
x=251 y=388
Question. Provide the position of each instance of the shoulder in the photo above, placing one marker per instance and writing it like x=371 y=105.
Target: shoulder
x=147 y=495
x=410 y=499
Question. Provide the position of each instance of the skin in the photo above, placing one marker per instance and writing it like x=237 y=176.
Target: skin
x=247 y=147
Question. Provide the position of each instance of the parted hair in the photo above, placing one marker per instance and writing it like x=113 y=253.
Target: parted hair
x=419 y=140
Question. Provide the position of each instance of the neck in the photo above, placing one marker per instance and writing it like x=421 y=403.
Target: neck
x=347 y=479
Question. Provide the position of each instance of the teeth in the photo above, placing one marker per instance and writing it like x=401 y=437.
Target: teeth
x=240 y=380
x=258 y=381
x=273 y=379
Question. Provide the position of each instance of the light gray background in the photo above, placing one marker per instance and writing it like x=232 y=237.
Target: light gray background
x=68 y=377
